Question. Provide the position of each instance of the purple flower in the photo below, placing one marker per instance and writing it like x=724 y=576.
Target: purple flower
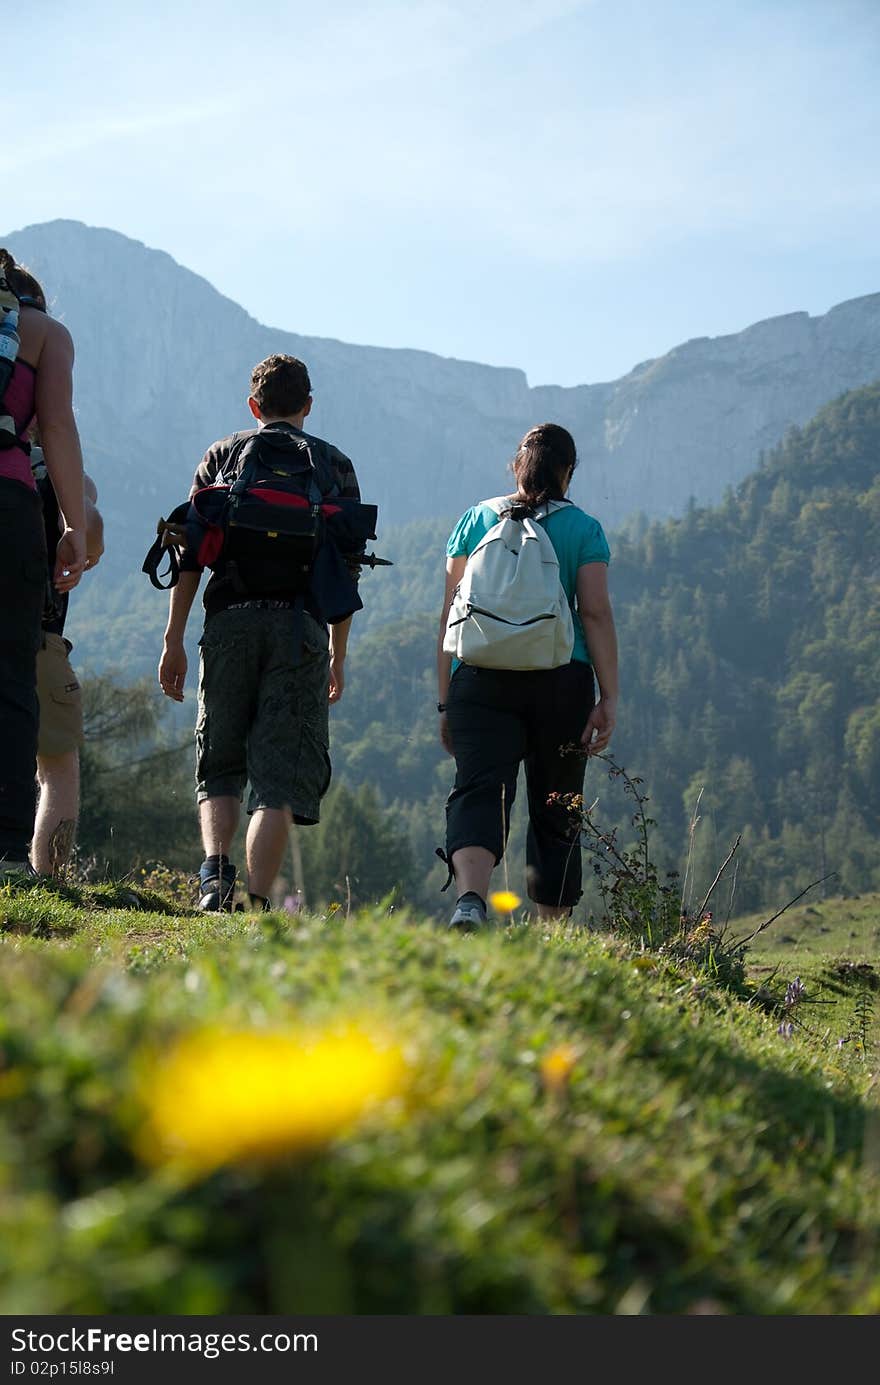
x=786 y=1029
x=794 y=991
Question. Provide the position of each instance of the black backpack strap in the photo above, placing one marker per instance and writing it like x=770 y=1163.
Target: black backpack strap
x=226 y=475
x=324 y=474
x=438 y=851
x=316 y=494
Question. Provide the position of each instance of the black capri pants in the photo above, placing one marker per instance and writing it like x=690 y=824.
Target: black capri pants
x=498 y=719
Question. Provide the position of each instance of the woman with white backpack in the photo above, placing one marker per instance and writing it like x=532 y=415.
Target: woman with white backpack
x=526 y=633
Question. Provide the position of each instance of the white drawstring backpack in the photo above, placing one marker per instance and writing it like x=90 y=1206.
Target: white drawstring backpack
x=510 y=611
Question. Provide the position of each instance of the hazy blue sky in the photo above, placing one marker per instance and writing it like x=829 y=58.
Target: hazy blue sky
x=566 y=187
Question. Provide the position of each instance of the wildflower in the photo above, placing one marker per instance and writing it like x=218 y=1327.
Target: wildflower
x=226 y=1097
x=786 y=1029
x=556 y=1067
x=701 y=933
x=504 y=901
x=794 y=991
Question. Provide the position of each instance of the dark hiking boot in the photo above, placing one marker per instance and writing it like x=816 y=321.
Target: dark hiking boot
x=16 y=872
x=216 y=885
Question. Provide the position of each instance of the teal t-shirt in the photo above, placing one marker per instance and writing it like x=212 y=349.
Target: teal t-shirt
x=576 y=537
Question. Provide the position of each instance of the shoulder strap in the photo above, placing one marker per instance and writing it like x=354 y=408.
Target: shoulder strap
x=226 y=473
x=10 y=344
x=324 y=475
x=324 y=481
x=550 y=508
x=496 y=503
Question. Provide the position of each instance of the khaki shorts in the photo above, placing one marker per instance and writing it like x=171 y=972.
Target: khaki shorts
x=60 y=698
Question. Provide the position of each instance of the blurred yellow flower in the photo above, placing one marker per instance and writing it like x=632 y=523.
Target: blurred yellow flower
x=225 y=1097
x=504 y=901
x=556 y=1067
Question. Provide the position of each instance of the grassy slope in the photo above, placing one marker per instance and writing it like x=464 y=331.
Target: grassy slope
x=818 y=930
x=833 y=945
x=696 y=1161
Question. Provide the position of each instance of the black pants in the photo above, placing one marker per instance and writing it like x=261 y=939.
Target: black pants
x=23 y=577
x=499 y=719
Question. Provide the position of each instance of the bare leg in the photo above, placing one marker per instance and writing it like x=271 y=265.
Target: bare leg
x=218 y=819
x=473 y=867
x=553 y=911
x=267 y=838
x=57 y=812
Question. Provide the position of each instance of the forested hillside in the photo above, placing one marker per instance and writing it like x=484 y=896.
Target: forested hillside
x=750 y=659
x=751 y=655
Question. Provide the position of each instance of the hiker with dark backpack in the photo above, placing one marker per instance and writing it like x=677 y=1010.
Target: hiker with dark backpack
x=36 y=382
x=278 y=609
x=526 y=631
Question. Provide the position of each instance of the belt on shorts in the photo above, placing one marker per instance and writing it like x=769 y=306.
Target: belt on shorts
x=261 y=604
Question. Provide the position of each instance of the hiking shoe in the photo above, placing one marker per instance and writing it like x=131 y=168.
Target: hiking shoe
x=13 y=871
x=216 y=885
x=470 y=913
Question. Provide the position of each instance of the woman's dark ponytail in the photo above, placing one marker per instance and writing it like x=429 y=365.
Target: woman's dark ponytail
x=22 y=282
x=543 y=463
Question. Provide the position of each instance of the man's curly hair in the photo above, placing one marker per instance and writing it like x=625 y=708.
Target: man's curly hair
x=281 y=386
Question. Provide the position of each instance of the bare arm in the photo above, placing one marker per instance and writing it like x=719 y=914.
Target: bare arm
x=94 y=524
x=338 y=647
x=59 y=440
x=454 y=573
x=173 y=663
x=597 y=621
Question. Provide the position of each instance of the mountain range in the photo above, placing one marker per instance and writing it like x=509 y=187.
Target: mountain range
x=163 y=362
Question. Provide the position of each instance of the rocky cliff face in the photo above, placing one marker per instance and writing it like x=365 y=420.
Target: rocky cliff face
x=163 y=363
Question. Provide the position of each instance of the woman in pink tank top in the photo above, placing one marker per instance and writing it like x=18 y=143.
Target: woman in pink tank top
x=19 y=402
x=41 y=388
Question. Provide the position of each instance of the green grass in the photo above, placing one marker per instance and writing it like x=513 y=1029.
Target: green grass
x=840 y=929
x=833 y=945
x=695 y=1161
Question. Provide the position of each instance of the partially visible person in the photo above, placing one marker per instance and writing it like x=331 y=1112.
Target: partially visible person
x=492 y=720
x=59 y=694
x=41 y=387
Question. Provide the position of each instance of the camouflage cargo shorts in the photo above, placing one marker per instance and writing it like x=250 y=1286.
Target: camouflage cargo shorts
x=263 y=718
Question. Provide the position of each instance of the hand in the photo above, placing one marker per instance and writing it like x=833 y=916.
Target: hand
x=337 y=678
x=445 y=737
x=70 y=560
x=172 y=671
x=92 y=560
x=600 y=726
